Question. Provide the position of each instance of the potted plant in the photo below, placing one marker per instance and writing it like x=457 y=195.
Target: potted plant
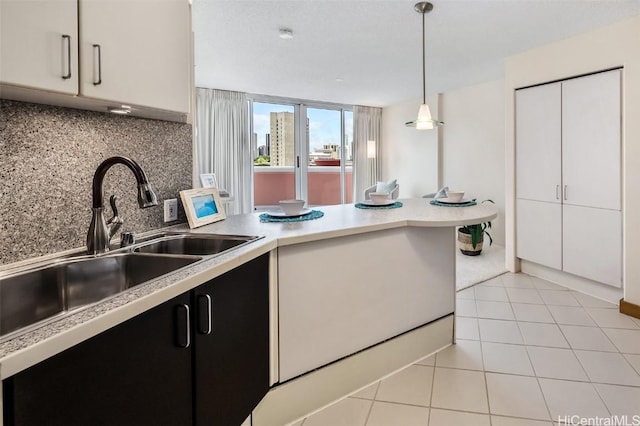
x=471 y=237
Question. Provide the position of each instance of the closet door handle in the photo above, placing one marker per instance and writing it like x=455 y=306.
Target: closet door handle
x=98 y=49
x=67 y=37
x=204 y=314
x=557 y=192
x=565 y=193
x=183 y=329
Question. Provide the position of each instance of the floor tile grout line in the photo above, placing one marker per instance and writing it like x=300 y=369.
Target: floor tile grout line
x=546 y=404
x=406 y=404
x=433 y=386
x=366 y=419
x=595 y=388
x=544 y=398
x=486 y=385
x=605 y=383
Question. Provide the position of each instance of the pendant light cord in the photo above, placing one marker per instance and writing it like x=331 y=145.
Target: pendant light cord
x=424 y=79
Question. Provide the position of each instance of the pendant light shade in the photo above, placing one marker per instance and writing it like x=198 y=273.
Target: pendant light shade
x=424 y=121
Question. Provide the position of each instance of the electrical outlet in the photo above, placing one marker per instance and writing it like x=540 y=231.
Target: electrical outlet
x=171 y=210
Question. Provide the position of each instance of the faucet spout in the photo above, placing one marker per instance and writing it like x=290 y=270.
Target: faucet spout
x=100 y=232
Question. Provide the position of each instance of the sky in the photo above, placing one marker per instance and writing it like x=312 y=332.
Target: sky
x=324 y=124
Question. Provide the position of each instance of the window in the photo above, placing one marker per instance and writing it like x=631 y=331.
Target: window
x=301 y=150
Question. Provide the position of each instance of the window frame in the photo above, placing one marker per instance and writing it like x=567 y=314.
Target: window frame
x=301 y=144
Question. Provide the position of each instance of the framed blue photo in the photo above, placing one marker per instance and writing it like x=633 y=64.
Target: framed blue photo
x=208 y=180
x=202 y=206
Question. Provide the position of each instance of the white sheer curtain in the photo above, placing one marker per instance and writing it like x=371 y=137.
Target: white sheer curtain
x=222 y=143
x=366 y=127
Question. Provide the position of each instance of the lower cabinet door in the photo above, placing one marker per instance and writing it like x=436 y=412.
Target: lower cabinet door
x=133 y=374
x=231 y=323
x=592 y=244
x=539 y=232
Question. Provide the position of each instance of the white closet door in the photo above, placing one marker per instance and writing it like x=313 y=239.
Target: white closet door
x=539 y=232
x=592 y=244
x=39 y=44
x=538 y=144
x=591 y=140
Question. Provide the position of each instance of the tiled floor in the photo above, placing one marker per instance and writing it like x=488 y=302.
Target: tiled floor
x=528 y=353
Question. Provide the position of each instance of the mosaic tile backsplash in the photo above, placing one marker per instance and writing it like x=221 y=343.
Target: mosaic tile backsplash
x=48 y=156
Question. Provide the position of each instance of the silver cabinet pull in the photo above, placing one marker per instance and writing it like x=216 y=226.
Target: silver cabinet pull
x=96 y=47
x=565 y=193
x=183 y=328
x=557 y=192
x=67 y=37
x=204 y=314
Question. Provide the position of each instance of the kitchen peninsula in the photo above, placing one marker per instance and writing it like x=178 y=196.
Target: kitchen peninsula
x=353 y=296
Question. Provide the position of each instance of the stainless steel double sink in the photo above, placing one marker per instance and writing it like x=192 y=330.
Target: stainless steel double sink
x=32 y=296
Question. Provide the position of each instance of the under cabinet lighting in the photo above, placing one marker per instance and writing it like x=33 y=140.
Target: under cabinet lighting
x=122 y=110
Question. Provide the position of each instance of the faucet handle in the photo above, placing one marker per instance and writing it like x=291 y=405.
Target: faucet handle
x=127 y=239
x=116 y=221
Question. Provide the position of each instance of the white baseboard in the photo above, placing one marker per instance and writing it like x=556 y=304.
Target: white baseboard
x=574 y=282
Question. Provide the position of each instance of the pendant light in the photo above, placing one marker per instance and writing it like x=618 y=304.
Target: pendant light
x=424 y=120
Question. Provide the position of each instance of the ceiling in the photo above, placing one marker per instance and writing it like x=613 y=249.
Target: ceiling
x=368 y=52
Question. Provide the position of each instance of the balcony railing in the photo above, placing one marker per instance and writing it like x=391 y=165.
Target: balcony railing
x=272 y=184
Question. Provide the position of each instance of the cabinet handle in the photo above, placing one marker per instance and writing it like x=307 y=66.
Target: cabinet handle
x=99 y=49
x=557 y=192
x=68 y=39
x=183 y=329
x=565 y=193
x=204 y=314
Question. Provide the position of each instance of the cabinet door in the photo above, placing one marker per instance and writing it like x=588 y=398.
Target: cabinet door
x=136 y=52
x=133 y=374
x=232 y=344
x=592 y=240
x=538 y=144
x=539 y=232
x=591 y=140
x=39 y=44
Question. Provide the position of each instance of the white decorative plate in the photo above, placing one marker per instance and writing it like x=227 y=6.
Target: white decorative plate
x=372 y=204
x=280 y=213
x=447 y=201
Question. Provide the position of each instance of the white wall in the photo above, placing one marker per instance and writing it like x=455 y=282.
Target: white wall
x=473 y=145
x=409 y=155
x=607 y=47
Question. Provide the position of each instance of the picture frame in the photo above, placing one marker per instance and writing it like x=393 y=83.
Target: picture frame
x=208 y=180
x=202 y=206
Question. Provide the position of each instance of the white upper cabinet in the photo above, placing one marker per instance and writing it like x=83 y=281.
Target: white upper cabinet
x=538 y=149
x=136 y=52
x=591 y=140
x=109 y=52
x=39 y=44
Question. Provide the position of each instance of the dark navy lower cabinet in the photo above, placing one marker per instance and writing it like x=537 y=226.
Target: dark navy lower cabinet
x=232 y=361
x=199 y=359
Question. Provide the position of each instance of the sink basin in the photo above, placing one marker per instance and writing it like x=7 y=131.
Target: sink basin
x=194 y=244
x=36 y=295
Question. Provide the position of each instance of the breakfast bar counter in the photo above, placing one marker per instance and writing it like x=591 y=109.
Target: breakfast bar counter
x=374 y=287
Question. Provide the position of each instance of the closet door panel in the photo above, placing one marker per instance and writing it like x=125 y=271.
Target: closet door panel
x=539 y=232
x=592 y=244
x=591 y=121
x=538 y=144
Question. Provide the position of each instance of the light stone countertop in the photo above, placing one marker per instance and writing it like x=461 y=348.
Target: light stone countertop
x=39 y=344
